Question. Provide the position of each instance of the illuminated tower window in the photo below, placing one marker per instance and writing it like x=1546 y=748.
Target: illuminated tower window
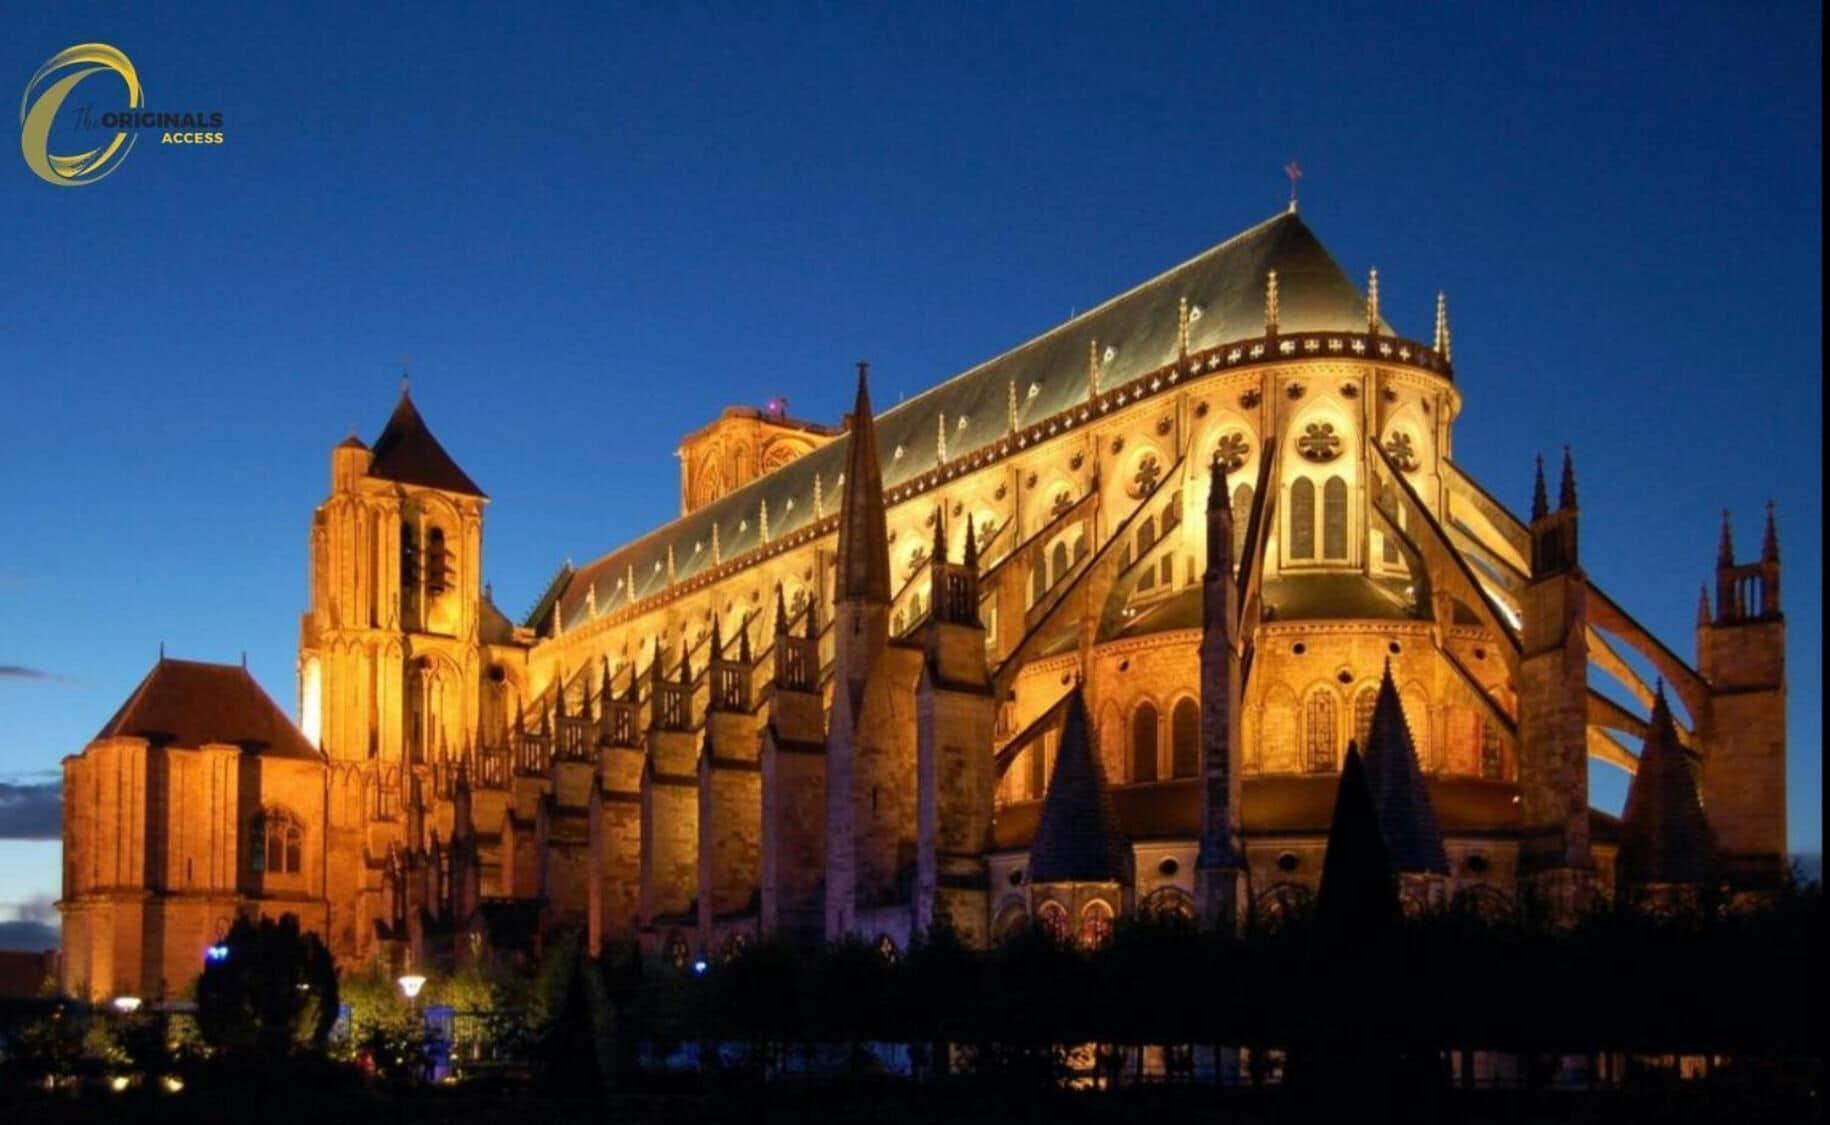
x=437 y=562
x=277 y=843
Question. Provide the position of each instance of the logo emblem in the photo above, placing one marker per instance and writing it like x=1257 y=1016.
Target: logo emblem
x=45 y=95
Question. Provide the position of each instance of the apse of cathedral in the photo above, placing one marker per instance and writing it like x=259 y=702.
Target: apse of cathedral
x=1085 y=630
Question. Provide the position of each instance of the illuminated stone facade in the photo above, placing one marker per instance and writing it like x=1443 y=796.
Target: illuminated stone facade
x=831 y=698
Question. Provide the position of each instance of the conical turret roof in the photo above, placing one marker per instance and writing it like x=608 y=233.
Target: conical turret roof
x=1401 y=797
x=1664 y=835
x=407 y=452
x=1078 y=839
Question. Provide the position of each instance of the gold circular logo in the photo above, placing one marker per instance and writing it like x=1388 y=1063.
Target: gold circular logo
x=45 y=95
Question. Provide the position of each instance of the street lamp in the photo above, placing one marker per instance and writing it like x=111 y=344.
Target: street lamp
x=410 y=984
x=127 y=1005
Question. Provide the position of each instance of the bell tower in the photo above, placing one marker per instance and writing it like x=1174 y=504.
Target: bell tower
x=390 y=651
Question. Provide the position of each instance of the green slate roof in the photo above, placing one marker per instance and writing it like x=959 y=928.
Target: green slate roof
x=1225 y=286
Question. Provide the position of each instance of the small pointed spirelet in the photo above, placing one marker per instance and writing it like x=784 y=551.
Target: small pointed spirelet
x=940 y=440
x=1270 y=304
x=743 y=640
x=1769 y=543
x=819 y=498
x=972 y=547
x=765 y=521
x=670 y=564
x=1372 y=302
x=629 y=582
x=1540 y=496
x=1442 y=328
x=1011 y=406
x=717 y=549
x=940 y=535
x=1703 y=603
x=1725 y=546
x=1182 y=327
x=717 y=638
x=1566 y=488
x=1092 y=368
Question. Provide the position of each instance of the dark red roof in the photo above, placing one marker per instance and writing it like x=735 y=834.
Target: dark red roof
x=407 y=452
x=190 y=703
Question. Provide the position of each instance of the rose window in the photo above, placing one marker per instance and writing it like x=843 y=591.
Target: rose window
x=1402 y=452
x=1232 y=450
x=1149 y=471
x=1319 y=442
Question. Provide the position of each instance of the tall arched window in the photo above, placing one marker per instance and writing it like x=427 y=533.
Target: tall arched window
x=1095 y=924
x=1321 y=739
x=1058 y=562
x=1185 y=739
x=409 y=557
x=437 y=563
x=1302 y=519
x=1363 y=705
x=1493 y=754
x=277 y=846
x=1242 y=514
x=1146 y=535
x=1334 y=519
x=1143 y=742
x=1053 y=918
x=1038 y=579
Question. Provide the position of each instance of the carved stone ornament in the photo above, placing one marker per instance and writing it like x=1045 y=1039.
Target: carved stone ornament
x=1319 y=442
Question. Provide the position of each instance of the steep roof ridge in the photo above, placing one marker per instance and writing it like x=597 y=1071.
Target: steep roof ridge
x=737 y=503
x=1665 y=835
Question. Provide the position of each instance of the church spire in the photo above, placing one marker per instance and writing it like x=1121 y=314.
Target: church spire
x=1372 y=301
x=1769 y=542
x=972 y=546
x=1078 y=839
x=864 y=553
x=1407 y=817
x=1725 y=546
x=1540 y=496
x=781 y=611
x=1566 y=488
x=1442 y=327
x=1665 y=839
x=1270 y=304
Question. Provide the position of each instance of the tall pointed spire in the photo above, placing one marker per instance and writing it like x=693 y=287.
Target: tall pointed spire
x=1769 y=542
x=1219 y=518
x=686 y=661
x=864 y=553
x=1566 y=488
x=743 y=640
x=717 y=549
x=972 y=547
x=940 y=439
x=1407 y=817
x=1077 y=839
x=1725 y=546
x=1010 y=406
x=1182 y=327
x=1703 y=603
x=1442 y=327
x=764 y=519
x=781 y=611
x=1372 y=302
x=1540 y=496
x=939 y=555
x=1358 y=896
x=1665 y=838
x=717 y=652
x=819 y=498
x=1270 y=304
x=1092 y=369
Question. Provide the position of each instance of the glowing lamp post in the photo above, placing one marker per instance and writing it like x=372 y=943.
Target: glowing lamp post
x=126 y=1005
x=410 y=984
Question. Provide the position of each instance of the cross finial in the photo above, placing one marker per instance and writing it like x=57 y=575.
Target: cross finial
x=406 y=373
x=1295 y=172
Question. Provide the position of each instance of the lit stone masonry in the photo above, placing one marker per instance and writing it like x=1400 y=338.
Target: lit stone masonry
x=1192 y=527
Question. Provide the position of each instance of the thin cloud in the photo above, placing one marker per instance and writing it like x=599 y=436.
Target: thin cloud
x=21 y=672
x=31 y=810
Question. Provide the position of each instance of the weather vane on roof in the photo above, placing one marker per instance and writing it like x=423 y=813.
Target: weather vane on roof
x=1295 y=172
